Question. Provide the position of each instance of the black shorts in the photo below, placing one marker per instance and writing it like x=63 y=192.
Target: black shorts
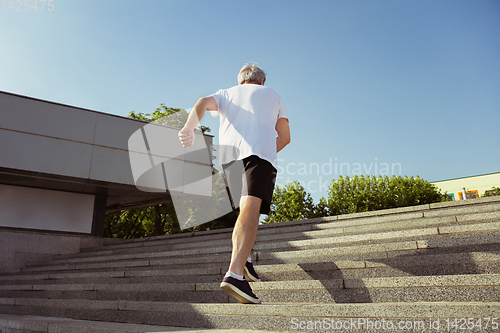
x=251 y=176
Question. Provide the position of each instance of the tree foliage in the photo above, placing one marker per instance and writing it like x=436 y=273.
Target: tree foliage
x=142 y=222
x=361 y=194
x=174 y=117
x=290 y=203
x=322 y=209
x=494 y=191
x=351 y=195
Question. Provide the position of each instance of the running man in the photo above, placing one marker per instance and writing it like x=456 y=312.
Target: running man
x=253 y=129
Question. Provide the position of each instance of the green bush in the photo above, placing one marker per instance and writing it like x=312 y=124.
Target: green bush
x=361 y=194
x=141 y=222
x=290 y=203
x=156 y=221
x=494 y=191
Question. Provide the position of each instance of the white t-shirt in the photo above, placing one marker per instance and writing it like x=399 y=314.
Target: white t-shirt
x=248 y=115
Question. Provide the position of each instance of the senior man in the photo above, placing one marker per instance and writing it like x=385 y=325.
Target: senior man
x=253 y=129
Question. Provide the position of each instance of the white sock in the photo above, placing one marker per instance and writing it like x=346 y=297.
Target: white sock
x=249 y=259
x=236 y=276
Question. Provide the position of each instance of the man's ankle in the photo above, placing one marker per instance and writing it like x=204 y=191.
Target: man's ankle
x=236 y=276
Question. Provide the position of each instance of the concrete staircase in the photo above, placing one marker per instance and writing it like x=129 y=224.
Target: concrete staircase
x=381 y=271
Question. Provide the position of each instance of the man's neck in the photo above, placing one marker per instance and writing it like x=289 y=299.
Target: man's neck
x=261 y=84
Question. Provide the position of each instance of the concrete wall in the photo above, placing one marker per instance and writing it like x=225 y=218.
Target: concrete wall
x=20 y=248
x=57 y=139
x=46 y=145
x=24 y=207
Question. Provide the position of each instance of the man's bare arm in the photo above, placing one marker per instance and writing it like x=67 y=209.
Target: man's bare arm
x=186 y=135
x=203 y=104
x=283 y=129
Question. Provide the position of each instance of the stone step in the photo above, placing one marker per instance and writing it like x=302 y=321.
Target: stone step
x=32 y=324
x=346 y=226
x=206 y=263
x=257 y=286
x=413 y=264
x=319 y=268
x=378 y=236
x=353 y=220
x=436 y=209
x=210 y=269
x=367 y=252
x=481 y=268
x=432 y=264
x=471 y=287
x=118 y=275
x=282 y=226
x=320 y=231
x=281 y=317
x=423 y=264
x=338 y=240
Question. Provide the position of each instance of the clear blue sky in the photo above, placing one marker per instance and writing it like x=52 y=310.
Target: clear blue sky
x=410 y=83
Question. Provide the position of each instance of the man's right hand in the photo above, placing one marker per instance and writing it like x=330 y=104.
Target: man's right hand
x=186 y=136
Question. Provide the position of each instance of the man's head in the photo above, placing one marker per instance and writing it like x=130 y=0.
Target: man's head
x=251 y=73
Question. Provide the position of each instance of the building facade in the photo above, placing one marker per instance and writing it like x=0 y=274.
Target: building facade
x=469 y=187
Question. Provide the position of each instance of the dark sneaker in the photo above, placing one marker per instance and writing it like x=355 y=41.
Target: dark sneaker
x=239 y=289
x=250 y=274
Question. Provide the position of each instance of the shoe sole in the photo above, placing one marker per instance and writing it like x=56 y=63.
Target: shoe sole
x=249 y=277
x=240 y=296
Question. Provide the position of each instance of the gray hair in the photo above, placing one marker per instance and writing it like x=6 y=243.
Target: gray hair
x=251 y=73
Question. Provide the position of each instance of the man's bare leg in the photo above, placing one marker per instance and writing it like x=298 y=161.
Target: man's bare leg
x=245 y=232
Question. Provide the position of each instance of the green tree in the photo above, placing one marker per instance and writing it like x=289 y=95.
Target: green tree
x=164 y=115
x=321 y=209
x=141 y=222
x=361 y=194
x=494 y=191
x=290 y=203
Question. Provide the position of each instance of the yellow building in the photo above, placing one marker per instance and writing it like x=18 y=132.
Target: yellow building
x=474 y=186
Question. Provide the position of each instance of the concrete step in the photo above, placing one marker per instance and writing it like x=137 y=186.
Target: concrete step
x=315 y=267
x=347 y=226
x=223 y=233
x=268 y=317
x=432 y=264
x=33 y=324
x=332 y=225
x=378 y=236
x=367 y=252
x=266 y=233
x=214 y=264
x=436 y=209
x=423 y=265
x=412 y=264
x=320 y=231
x=467 y=262
x=471 y=287
x=338 y=240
